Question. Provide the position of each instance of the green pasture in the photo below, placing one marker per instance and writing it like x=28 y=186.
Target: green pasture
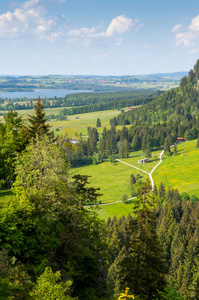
x=181 y=171
x=79 y=123
x=112 y=179
x=25 y=112
x=137 y=155
x=75 y=123
x=111 y=210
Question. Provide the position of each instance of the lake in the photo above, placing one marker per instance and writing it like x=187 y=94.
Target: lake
x=40 y=92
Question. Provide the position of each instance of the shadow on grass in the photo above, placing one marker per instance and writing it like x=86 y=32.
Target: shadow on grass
x=5 y=193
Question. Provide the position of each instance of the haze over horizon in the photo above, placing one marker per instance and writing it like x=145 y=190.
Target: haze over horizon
x=102 y=38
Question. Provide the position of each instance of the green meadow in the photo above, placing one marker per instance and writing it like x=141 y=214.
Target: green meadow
x=112 y=179
x=181 y=171
x=134 y=157
x=75 y=123
x=117 y=209
x=79 y=123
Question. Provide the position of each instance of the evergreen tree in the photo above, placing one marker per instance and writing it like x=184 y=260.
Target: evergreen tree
x=147 y=151
x=37 y=122
x=132 y=179
x=126 y=148
x=166 y=146
x=98 y=123
x=135 y=143
x=141 y=264
x=162 y=191
x=155 y=191
x=175 y=149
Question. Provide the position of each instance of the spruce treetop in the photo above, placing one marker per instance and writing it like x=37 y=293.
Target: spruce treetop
x=37 y=121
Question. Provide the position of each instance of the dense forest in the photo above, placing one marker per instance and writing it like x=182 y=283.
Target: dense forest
x=53 y=247
x=84 y=102
x=173 y=114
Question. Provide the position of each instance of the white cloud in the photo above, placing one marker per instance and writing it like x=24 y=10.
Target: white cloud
x=176 y=27
x=118 y=26
x=194 y=24
x=82 y=32
x=188 y=36
x=53 y=36
x=28 y=19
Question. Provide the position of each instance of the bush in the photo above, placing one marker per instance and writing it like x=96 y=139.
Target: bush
x=124 y=198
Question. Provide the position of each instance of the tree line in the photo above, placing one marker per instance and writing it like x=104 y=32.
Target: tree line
x=84 y=102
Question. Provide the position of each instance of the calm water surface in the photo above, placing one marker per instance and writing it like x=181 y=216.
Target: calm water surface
x=42 y=93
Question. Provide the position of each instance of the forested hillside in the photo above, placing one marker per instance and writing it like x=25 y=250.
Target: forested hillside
x=54 y=246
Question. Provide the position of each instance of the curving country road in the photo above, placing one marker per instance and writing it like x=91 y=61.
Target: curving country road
x=150 y=176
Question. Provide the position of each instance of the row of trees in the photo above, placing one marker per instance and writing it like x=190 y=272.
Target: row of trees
x=140 y=137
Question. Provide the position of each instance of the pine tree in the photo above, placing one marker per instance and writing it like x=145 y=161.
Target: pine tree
x=166 y=146
x=98 y=123
x=175 y=149
x=162 y=191
x=37 y=122
x=141 y=264
x=135 y=143
x=132 y=179
x=147 y=151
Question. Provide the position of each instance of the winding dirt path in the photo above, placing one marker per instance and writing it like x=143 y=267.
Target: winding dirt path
x=150 y=176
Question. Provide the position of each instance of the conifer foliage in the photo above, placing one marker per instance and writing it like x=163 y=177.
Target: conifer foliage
x=37 y=121
x=141 y=264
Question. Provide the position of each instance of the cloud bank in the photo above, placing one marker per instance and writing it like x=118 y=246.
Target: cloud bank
x=118 y=26
x=28 y=19
x=188 y=36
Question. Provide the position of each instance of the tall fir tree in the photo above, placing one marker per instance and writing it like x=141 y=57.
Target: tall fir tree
x=141 y=264
x=38 y=125
x=98 y=123
x=167 y=146
x=175 y=150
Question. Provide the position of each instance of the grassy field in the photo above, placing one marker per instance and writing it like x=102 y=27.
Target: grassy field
x=181 y=171
x=137 y=155
x=73 y=125
x=111 y=210
x=112 y=179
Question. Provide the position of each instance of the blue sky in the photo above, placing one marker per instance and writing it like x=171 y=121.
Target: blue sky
x=98 y=37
